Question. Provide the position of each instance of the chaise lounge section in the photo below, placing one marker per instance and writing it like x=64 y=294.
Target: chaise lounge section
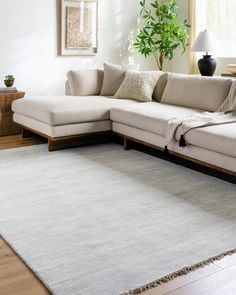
x=67 y=121
x=84 y=117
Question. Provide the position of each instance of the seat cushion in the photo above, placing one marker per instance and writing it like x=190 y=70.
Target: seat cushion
x=150 y=116
x=219 y=138
x=61 y=110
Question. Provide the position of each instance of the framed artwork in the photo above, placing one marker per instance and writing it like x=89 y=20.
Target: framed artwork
x=79 y=27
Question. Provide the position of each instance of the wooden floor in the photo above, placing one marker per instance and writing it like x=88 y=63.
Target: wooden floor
x=16 y=278
x=15 y=141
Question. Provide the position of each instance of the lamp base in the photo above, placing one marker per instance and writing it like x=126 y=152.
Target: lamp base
x=207 y=65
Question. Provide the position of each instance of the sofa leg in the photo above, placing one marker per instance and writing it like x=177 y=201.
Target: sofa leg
x=50 y=146
x=26 y=133
x=166 y=152
x=127 y=144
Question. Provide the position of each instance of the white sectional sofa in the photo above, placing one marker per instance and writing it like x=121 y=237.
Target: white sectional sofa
x=83 y=116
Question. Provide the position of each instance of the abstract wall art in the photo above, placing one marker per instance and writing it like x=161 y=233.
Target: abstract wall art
x=79 y=27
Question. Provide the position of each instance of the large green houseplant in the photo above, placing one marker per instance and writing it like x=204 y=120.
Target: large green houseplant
x=163 y=30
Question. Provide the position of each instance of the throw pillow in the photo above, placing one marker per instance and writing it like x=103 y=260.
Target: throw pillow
x=113 y=77
x=138 y=85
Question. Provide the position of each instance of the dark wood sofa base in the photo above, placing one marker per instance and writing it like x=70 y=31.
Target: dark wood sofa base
x=66 y=142
x=59 y=143
x=79 y=140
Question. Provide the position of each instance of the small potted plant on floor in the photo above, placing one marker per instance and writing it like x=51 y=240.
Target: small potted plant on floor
x=9 y=80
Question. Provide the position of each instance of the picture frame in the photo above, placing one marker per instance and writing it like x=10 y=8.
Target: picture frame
x=79 y=27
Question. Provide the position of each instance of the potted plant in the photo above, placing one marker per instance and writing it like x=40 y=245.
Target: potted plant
x=163 y=31
x=9 y=80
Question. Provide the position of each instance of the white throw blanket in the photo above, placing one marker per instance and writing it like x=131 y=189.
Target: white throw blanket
x=230 y=102
x=225 y=114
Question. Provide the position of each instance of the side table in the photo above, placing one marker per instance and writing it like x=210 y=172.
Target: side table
x=7 y=126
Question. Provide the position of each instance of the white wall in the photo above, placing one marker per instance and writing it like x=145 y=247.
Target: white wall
x=29 y=38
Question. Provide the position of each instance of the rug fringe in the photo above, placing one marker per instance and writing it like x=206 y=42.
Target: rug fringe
x=179 y=273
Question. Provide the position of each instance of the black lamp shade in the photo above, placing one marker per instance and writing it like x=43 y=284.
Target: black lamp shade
x=207 y=65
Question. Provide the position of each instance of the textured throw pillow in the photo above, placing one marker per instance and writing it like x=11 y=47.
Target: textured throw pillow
x=138 y=85
x=113 y=77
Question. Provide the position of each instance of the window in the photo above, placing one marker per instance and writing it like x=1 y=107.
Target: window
x=218 y=17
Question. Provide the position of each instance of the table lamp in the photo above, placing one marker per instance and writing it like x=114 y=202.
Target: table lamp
x=204 y=43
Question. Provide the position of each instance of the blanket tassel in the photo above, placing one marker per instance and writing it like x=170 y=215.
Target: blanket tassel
x=182 y=141
x=166 y=151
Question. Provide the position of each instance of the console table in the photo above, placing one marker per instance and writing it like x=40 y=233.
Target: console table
x=7 y=126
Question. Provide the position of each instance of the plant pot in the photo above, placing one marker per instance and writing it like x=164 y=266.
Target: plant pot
x=9 y=83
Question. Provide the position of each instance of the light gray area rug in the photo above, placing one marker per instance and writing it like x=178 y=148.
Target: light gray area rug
x=103 y=221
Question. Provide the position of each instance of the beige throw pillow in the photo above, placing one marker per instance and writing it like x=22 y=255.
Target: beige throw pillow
x=113 y=77
x=138 y=85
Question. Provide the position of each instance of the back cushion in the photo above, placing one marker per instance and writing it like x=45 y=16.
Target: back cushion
x=204 y=93
x=113 y=77
x=85 y=82
x=160 y=87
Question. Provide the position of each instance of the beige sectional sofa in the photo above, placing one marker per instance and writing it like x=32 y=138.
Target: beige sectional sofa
x=83 y=114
